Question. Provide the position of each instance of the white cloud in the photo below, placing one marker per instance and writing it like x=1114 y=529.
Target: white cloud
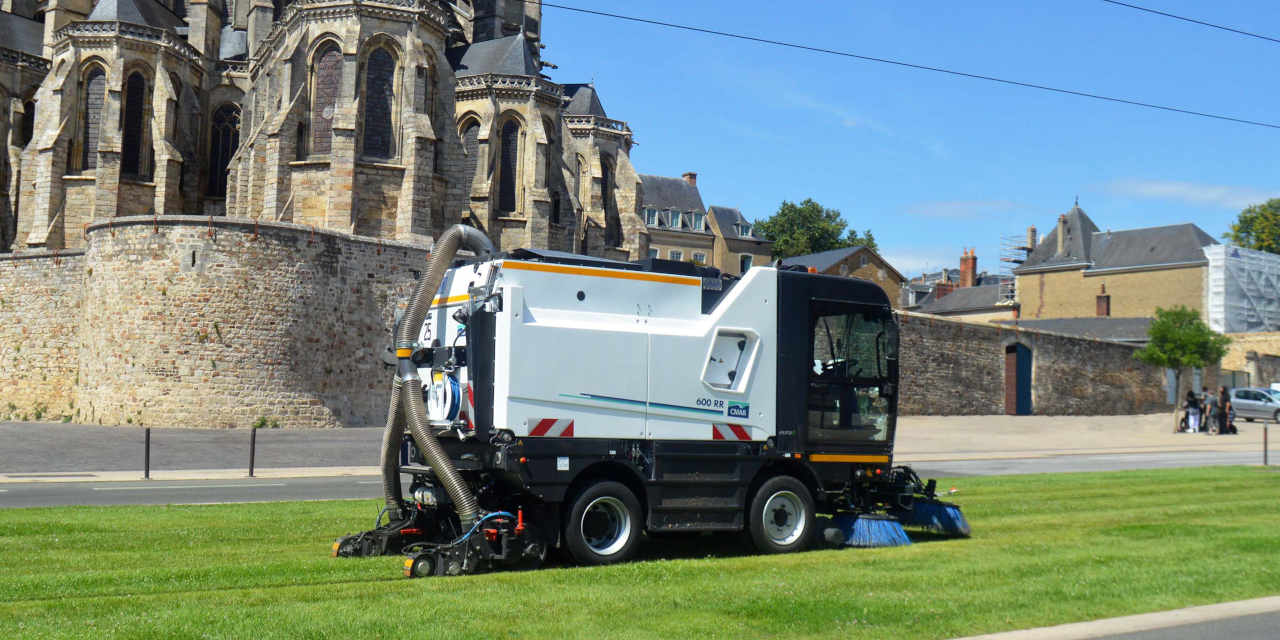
x=1215 y=195
x=960 y=209
x=911 y=262
x=842 y=114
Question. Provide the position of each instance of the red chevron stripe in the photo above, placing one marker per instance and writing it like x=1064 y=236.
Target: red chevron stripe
x=715 y=433
x=568 y=431
x=543 y=427
x=740 y=432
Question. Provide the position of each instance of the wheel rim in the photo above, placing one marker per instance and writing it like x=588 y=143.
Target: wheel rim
x=783 y=518
x=606 y=525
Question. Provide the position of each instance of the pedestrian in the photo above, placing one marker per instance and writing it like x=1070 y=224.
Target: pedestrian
x=1210 y=409
x=1224 y=410
x=1191 y=411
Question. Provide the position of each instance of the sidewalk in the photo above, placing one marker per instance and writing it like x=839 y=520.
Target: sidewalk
x=31 y=452
x=929 y=438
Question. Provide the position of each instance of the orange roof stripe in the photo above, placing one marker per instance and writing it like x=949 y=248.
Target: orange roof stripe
x=602 y=273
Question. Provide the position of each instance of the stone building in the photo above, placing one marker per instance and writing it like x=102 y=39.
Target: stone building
x=1078 y=270
x=677 y=220
x=855 y=262
x=680 y=228
x=389 y=119
x=738 y=245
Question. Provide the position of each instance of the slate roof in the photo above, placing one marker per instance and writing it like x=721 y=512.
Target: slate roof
x=1094 y=249
x=824 y=260
x=144 y=12
x=1080 y=230
x=1104 y=328
x=22 y=34
x=582 y=100
x=821 y=260
x=1150 y=246
x=509 y=55
x=727 y=217
x=979 y=298
x=661 y=192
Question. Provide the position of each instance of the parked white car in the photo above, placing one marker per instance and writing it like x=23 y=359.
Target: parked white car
x=1254 y=403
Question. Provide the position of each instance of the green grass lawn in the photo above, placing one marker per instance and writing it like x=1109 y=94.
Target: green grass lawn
x=1046 y=550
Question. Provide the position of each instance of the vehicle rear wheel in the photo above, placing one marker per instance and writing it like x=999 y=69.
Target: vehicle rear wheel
x=604 y=524
x=1248 y=419
x=781 y=518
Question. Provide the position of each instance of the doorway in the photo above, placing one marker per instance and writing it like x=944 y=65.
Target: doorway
x=1017 y=380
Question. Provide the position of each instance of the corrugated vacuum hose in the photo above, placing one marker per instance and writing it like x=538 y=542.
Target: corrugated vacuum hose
x=406 y=400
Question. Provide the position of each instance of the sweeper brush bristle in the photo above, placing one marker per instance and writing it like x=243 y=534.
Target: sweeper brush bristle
x=937 y=516
x=870 y=530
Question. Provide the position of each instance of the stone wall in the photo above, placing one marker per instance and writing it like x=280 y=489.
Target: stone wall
x=40 y=301
x=222 y=325
x=957 y=368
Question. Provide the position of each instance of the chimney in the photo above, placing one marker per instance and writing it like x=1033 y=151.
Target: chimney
x=1062 y=234
x=969 y=268
x=691 y=178
x=1031 y=237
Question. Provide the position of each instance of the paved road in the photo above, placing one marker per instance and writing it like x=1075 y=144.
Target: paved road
x=40 y=494
x=1082 y=463
x=1263 y=626
x=232 y=489
x=44 y=448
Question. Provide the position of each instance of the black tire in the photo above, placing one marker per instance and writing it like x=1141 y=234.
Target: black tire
x=781 y=517
x=1248 y=419
x=603 y=525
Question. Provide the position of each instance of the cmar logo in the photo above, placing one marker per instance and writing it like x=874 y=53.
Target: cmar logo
x=739 y=410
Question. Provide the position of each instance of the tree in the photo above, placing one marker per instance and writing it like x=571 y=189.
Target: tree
x=1258 y=227
x=1178 y=339
x=808 y=227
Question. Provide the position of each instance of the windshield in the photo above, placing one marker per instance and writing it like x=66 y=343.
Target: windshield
x=852 y=349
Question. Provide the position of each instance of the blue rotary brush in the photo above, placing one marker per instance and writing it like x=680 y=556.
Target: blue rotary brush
x=867 y=530
x=935 y=515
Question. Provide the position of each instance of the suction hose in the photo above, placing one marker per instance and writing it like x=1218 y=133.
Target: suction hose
x=392 y=435
x=406 y=392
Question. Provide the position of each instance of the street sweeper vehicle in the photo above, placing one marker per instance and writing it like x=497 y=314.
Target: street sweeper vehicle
x=554 y=401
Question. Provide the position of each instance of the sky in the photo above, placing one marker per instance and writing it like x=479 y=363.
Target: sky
x=933 y=164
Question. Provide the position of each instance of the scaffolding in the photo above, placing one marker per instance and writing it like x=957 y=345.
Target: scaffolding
x=1014 y=250
x=1243 y=289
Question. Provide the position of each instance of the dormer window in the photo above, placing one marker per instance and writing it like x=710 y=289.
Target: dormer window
x=650 y=216
x=699 y=221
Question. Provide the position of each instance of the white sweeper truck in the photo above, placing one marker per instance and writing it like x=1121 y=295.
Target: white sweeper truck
x=545 y=400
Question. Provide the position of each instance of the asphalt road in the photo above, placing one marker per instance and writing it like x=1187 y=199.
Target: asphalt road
x=42 y=494
x=1263 y=626
x=72 y=492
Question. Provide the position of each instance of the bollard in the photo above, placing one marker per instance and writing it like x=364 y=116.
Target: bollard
x=146 y=456
x=253 y=445
x=1266 y=432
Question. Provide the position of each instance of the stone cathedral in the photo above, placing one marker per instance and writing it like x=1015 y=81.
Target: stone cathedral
x=389 y=119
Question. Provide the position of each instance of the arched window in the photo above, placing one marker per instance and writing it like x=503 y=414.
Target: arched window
x=28 y=122
x=325 y=83
x=95 y=92
x=508 y=166
x=423 y=98
x=470 y=147
x=132 y=161
x=612 y=223
x=379 y=101
x=224 y=137
x=551 y=169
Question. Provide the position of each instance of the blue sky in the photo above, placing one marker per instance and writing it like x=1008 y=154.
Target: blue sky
x=933 y=164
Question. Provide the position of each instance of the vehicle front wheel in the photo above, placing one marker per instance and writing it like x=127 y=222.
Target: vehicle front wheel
x=781 y=518
x=604 y=524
